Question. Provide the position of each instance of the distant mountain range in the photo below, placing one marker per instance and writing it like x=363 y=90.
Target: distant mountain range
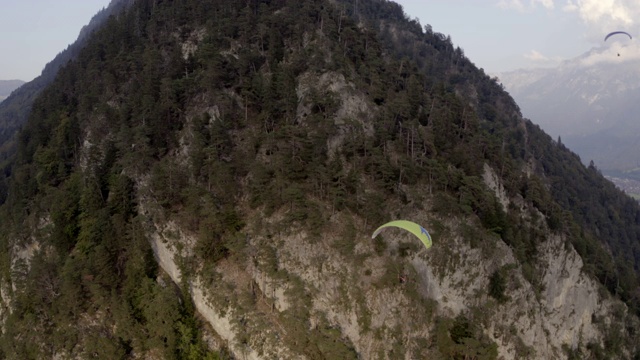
x=590 y=103
x=7 y=86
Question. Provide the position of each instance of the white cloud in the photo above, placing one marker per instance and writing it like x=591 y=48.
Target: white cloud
x=534 y=55
x=511 y=4
x=604 y=16
x=570 y=6
x=605 y=11
x=521 y=6
x=599 y=16
x=538 y=59
x=613 y=13
x=616 y=53
x=546 y=3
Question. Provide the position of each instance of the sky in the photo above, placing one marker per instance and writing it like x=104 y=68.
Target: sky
x=497 y=35
x=505 y=35
x=33 y=32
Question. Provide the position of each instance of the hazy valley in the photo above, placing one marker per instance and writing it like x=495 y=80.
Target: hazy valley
x=589 y=102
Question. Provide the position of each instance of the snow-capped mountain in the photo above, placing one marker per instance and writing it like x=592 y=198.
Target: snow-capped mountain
x=591 y=102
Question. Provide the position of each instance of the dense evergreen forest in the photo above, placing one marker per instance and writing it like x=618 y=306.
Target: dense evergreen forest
x=597 y=219
x=109 y=131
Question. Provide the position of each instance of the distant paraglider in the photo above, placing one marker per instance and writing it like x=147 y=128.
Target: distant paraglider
x=412 y=227
x=617 y=33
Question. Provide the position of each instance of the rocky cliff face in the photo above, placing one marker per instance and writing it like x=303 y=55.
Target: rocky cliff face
x=383 y=303
x=530 y=323
x=569 y=311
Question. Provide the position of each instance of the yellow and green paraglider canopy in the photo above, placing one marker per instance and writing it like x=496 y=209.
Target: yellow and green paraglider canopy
x=410 y=226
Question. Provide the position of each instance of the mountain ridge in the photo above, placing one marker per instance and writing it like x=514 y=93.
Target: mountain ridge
x=7 y=86
x=14 y=110
x=184 y=162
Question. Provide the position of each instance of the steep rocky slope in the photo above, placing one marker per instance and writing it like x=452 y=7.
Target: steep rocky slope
x=341 y=281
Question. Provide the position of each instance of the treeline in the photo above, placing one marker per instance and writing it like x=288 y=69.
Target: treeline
x=599 y=219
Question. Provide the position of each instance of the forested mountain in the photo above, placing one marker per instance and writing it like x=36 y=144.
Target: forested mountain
x=203 y=178
x=7 y=86
x=14 y=110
